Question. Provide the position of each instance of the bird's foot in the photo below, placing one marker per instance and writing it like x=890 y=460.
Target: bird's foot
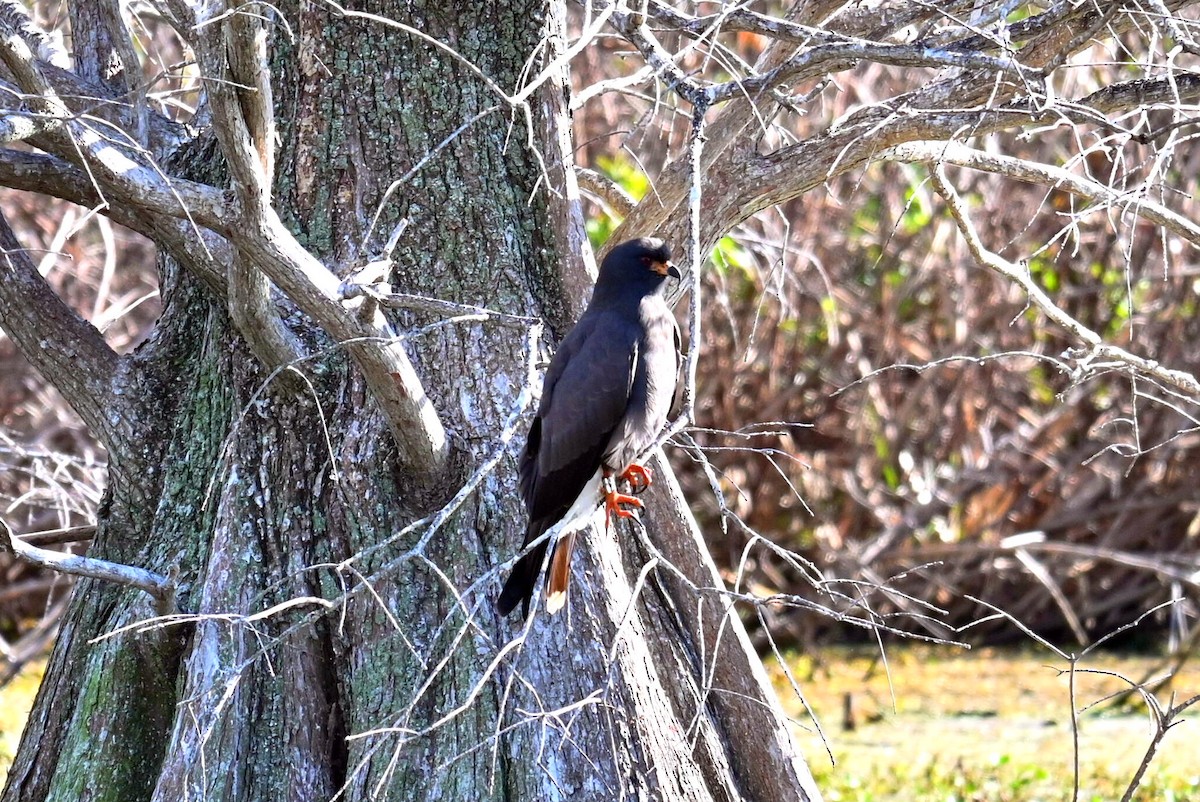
x=639 y=478
x=613 y=501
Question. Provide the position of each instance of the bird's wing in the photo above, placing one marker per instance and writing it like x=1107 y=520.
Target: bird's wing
x=655 y=379
x=680 y=379
x=584 y=398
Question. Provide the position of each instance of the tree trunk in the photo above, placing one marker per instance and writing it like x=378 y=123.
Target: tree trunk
x=339 y=636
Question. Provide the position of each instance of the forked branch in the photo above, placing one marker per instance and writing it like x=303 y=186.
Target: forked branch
x=1094 y=346
x=160 y=588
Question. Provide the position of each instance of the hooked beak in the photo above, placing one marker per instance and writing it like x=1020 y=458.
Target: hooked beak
x=673 y=271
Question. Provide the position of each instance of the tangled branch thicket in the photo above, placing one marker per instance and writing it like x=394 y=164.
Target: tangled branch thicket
x=876 y=402
x=870 y=398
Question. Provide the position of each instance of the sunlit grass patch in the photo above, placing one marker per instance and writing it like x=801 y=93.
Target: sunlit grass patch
x=982 y=725
x=16 y=699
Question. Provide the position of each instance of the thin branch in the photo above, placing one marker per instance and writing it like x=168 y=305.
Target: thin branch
x=435 y=306
x=1057 y=177
x=1095 y=348
x=828 y=52
x=696 y=254
x=159 y=587
x=55 y=537
x=1162 y=720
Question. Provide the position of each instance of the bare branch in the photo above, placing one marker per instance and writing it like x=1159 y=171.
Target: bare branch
x=723 y=132
x=90 y=100
x=745 y=183
x=435 y=306
x=1095 y=345
x=231 y=50
x=17 y=127
x=160 y=588
x=246 y=47
x=394 y=383
x=233 y=58
x=577 y=264
x=200 y=251
x=254 y=315
x=115 y=167
x=633 y=27
x=267 y=250
x=1162 y=719
x=612 y=194
x=1056 y=177
x=234 y=77
x=1180 y=87
x=825 y=51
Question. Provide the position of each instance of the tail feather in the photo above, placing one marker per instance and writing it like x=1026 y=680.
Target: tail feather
x=560 y=573
x=522 y=582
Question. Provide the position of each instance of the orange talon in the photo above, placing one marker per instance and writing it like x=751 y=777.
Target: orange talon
x=639 y=478
x=613 y=501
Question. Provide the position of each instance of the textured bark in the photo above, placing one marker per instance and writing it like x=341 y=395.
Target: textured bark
x=340 y=642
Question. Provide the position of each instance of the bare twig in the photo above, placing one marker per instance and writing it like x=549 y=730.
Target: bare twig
x=161 y=588
x=1162 y=719
x=1094 y=345
x=1137 y=203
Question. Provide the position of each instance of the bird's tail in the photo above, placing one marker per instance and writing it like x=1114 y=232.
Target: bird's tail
x=519 y=586
x=560 y=573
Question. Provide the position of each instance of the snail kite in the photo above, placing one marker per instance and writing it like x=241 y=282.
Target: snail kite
x=605 y=399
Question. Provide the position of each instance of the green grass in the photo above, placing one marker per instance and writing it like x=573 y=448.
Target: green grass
x=982 y=725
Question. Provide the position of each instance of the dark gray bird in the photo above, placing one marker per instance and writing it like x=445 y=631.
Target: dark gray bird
x=605 y=398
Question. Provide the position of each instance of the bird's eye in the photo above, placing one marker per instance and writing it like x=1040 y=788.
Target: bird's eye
x=646 y=260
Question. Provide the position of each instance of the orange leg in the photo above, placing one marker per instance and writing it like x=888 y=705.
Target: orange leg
x=639 y=478
x=613 y=501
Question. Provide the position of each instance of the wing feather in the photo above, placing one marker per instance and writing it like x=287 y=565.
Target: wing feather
x=584 y=400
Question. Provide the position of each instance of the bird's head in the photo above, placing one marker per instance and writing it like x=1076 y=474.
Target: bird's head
x=645 y=261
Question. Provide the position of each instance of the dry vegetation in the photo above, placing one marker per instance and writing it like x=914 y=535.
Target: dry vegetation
x=51 y=468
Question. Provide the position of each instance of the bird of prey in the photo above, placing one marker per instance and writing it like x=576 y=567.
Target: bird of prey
x=605 y=399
